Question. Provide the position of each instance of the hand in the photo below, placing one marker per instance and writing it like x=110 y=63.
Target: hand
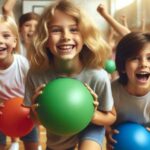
x=148 y=128
x=101 y=9
x=37 y=92
x=109 y=140
x=1 y=106
x=95 y=102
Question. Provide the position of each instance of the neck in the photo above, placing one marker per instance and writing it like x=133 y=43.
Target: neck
x=68 y=68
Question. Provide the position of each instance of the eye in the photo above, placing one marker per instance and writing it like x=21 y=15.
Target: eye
x=74 y=29
x=148 y=58
x=27 y=25
x=134 y=58
x=6 y=36
x=55 y=30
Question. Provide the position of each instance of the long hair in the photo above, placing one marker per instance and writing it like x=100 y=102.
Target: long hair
x=11 y=24
x=129 y=46
x=95 y=50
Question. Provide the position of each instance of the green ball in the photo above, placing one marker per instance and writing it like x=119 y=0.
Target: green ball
x=110 y=66
x=65 y=106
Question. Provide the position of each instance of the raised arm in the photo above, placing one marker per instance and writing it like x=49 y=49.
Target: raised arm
x=8 y=7
x=118 y=27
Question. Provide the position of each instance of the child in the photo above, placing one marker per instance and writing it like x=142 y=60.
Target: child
x=131 y=92
x=68 y=44
x=14 y=67
x=27 y=27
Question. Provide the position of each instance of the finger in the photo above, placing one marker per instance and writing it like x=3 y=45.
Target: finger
x=111 y=139
x=147 y=128
x=91 y=91
x=40 y=88
x=109 y=147
x=115 y=131
x=34 y=106
x=35 y=96
x=96 y=103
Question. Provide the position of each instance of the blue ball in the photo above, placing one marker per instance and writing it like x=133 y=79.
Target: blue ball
x=132 y=136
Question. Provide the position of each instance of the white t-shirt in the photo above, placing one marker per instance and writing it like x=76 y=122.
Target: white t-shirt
x=12 y=79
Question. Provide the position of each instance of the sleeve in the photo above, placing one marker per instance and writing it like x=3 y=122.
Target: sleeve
x=29 y=90
x=104 y=92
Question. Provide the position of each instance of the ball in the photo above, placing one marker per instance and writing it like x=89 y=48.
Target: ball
x=131 y=136
x=15 y=120
x=65 y=106
x=110 y=66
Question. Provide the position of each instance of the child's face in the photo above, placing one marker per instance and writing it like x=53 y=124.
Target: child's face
x=138 y=70
x=7 y=42
x=65 y=40
x=27 y=30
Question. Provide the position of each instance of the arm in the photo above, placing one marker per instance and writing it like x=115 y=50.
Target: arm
x=105 y=118
x=119 y=28
x=124 y=21
x=8 y=6
x=143 y=24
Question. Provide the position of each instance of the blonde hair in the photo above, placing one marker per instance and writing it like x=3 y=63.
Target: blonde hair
x=95 y=50
x=11 y=24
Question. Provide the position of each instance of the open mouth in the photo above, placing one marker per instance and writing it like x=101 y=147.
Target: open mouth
x=29 y=35
x=65 y=48
x=144 y=76
x=2 y=49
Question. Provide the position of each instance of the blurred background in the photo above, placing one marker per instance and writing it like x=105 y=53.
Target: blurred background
x=133 y=10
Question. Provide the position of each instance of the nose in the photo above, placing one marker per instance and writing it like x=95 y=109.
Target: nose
x=144 y=62
x=66 y=35
x=1 y=40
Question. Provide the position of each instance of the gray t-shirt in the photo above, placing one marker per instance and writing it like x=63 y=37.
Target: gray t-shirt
x=98 y=80
x=129 y=107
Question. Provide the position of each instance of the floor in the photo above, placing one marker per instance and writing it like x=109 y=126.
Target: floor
x=42 y=140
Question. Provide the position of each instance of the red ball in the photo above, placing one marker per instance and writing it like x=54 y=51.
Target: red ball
x=15 y=120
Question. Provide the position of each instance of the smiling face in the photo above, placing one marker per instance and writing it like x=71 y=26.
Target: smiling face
x=138 y=71
x=7 y=44
x=65 y=40
x=27 y=30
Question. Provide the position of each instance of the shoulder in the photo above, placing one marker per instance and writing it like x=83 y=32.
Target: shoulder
x=95 y=77
x=100 y=74
x=20 y=58
x=21 y=61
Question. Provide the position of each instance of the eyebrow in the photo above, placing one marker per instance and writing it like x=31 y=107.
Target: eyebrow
x=55 y=25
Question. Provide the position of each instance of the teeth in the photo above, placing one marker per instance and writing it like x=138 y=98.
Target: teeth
x=65 y=47
x=143 y=73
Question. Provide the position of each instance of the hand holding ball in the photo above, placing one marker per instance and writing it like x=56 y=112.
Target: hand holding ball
x=65 y=106
x=15 y=120
x=131 y=136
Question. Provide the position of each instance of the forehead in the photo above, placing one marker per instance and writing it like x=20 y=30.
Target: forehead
x=32 y=21
x=5 y=28
x=60 y=17
x=146 y=49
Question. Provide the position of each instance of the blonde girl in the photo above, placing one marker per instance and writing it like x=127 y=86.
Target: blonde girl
x=68 y=44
